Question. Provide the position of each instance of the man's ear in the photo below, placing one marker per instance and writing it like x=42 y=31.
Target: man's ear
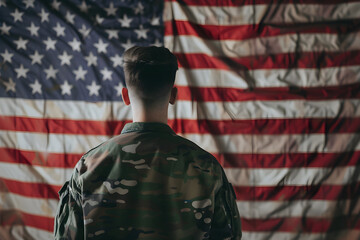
x=173 y=95
x=125 y=96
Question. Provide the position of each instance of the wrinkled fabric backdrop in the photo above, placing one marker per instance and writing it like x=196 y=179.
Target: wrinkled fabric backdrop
x=270 y=88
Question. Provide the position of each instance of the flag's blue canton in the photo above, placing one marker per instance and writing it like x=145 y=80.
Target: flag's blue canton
x=72 y=49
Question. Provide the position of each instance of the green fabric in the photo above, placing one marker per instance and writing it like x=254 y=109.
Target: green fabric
x=147 y=183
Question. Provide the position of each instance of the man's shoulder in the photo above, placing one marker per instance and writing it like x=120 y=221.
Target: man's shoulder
x=109 y=145
x=194 y=147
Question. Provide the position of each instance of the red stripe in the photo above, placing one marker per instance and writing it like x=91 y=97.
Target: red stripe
x=44 y=159
x=231 y=3
x=313 y=225
x=290 y=193
x=49 y=125
x=15 y=217
x=302 y=224
x=286 y=160
x=289 y=160
x=200 y=126
x=250 y=31
x=243 y=193
x=202 y=94
x=267 y=126
x=36 y=190
x=275 y=61
x=40 y=125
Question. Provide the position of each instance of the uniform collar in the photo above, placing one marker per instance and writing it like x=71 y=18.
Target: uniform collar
x=147 y=126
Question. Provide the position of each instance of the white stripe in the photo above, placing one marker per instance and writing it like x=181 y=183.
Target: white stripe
x=266 y=14
x=239 y=177
x=35 y=206
x=60 y=109
x=21 y=232
x=55 y=143
x=274 y=144
x=289 y=43
x=184 y=109
x=299 y=235
x=334 y=76
x=213 y=15
x=292 y=176
x=291 y=109
x=227 y=143
x=297 y=208
x=35 y=174
x=247 y=209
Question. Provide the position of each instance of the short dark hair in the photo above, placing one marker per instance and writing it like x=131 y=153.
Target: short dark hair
x=150 y=71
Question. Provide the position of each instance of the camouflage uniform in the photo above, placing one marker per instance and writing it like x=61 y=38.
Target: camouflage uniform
x=147 y=183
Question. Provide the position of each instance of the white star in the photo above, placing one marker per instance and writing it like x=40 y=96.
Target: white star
x=44 y=16
x=125 y=21
x=83 y=7
x=65 y=58
x=36 y=87
x=117 y=60
x=112 y=34
x=21 y=43
x=7 y=56
x=139 y=9
x=36 y=58
x=91 y=59
x=50 y=44
x=33 y=29
x=118 y=89
x=2 y=3
x=70 y=17
x=60 y=31
x=99 y=19
x=101 y=46
x=75 y=45
x=106 y=74
x=17 y=15
x=157 y=43
x=66 y=88
x=128 y=44
x=80 y=73
x=21 y=71
x=28 y=3
x=141 y=33
x=10 y=86
x=5 y=29
x=51 y=72
x=84 y=31
x=155 y=21
x=93 y=89
x=56 y=5
x=111 y=10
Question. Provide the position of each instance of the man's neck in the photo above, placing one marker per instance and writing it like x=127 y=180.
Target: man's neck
x=141 y=114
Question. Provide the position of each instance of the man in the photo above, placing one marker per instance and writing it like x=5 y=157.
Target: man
x=148 y=182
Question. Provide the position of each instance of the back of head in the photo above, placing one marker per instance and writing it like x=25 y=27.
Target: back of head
x=149 y=72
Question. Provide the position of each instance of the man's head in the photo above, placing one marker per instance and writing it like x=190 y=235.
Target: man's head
x=149 y=73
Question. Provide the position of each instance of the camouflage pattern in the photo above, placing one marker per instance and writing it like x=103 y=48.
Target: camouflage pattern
x=147 y=183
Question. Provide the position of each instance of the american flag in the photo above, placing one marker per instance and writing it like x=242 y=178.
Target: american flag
x=271 y=88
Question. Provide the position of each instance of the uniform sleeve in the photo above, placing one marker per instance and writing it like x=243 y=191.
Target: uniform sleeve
x=226 y=222
x=69 y=223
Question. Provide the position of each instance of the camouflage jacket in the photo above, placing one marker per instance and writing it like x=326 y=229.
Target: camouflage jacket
x=147 y=183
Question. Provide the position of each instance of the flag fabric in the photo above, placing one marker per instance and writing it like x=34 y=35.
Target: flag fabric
x=270 y=88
